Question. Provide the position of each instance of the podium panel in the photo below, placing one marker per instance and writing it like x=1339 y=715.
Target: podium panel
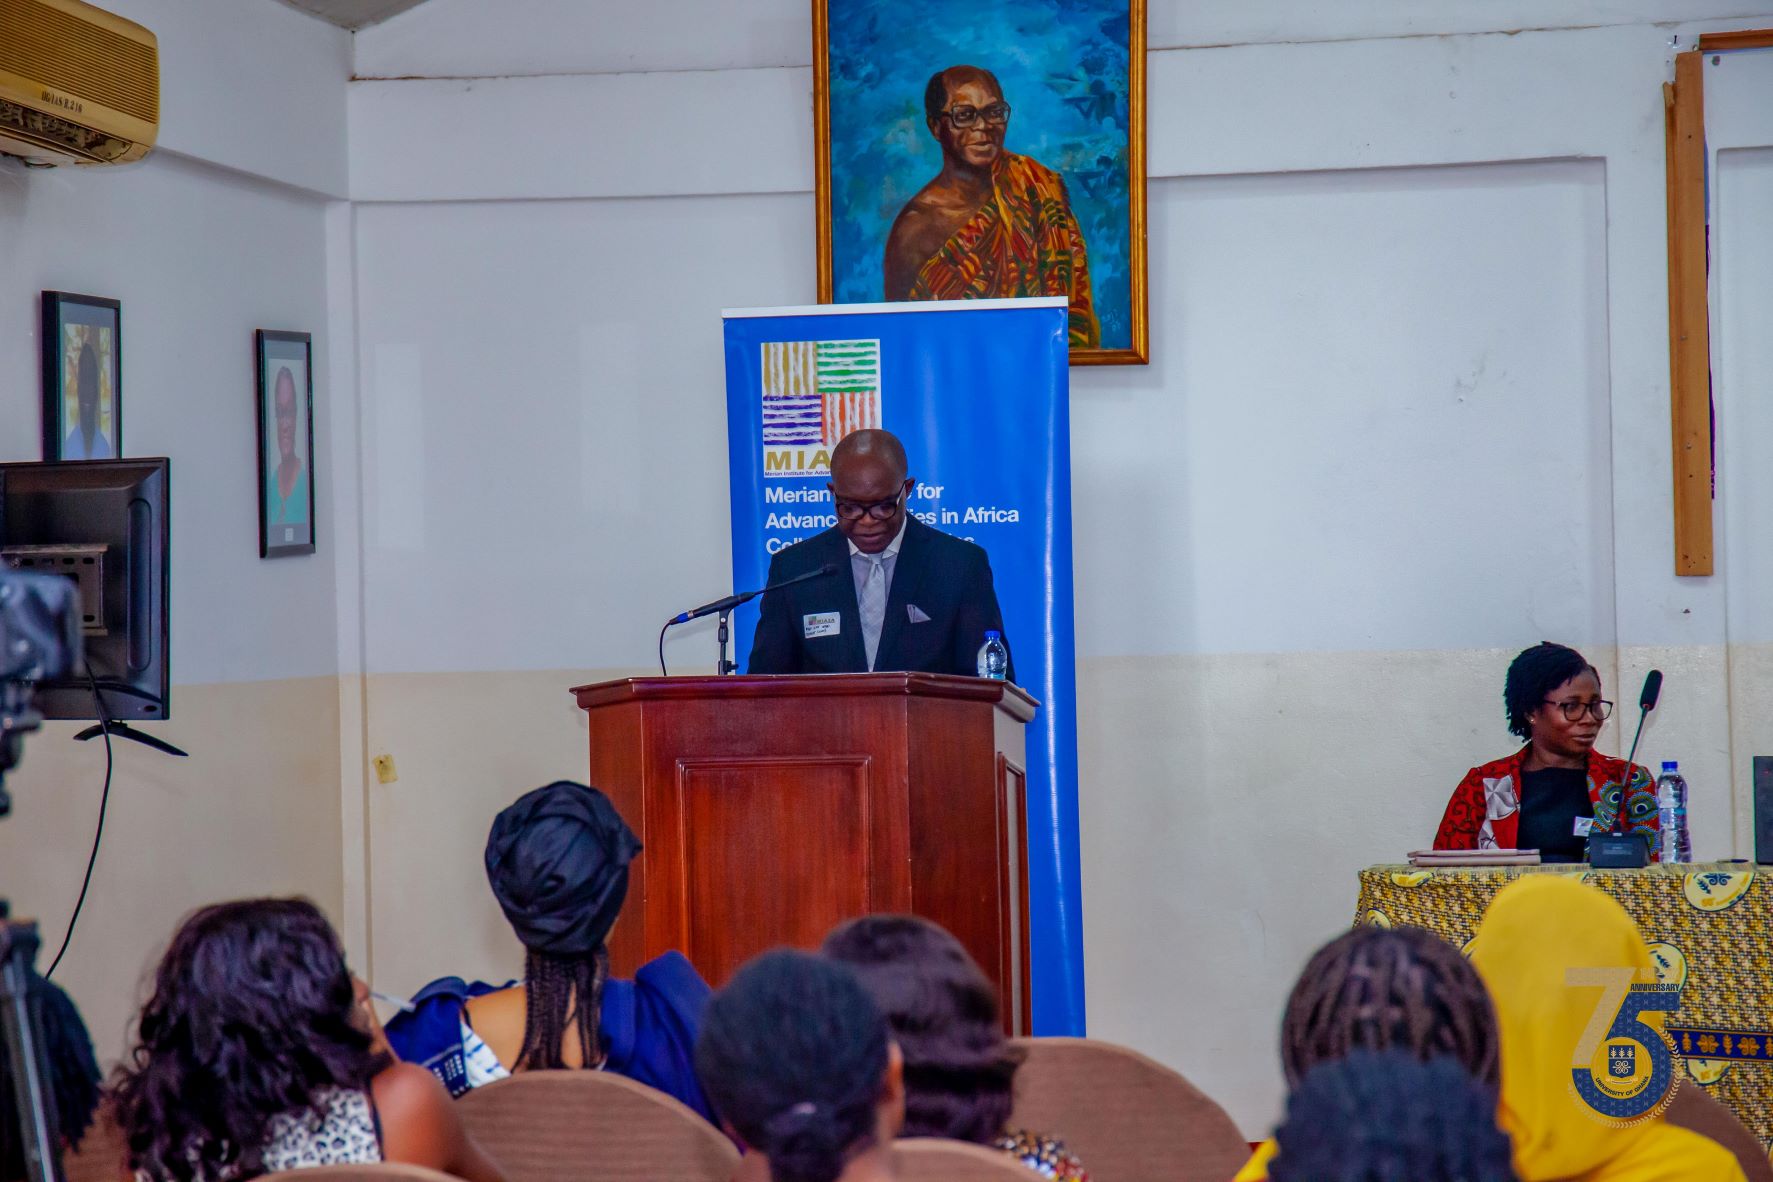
x=773 y=808
x=778 y=842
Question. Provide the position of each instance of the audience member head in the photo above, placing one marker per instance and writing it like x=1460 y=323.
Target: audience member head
x=72 y=1086
x=1387 y=1116
x=1540 y=678
x=943 y=1012
x=1380 y=989
x=1535 y=931
x=253 y=1015
x=797 y=1059
x=557 y=859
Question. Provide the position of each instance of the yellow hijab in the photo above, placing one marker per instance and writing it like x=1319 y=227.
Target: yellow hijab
x=1538 y=927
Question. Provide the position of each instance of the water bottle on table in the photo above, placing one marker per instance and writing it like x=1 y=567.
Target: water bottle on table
x=1671 y=810
x=994 y=658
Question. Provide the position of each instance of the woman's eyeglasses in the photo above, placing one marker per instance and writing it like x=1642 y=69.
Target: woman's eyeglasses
x=1575 y=710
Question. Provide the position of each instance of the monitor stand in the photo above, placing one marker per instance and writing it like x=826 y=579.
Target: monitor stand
x=123 y=730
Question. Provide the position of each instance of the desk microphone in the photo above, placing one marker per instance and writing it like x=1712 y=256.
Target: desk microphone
x=1646 y=703
x=1617 y=849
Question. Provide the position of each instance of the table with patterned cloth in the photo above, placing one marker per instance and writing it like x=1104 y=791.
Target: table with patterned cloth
x=1710 y=930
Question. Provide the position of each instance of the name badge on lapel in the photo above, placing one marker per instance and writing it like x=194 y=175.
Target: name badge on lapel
x=1584 y=826
x=820 y=624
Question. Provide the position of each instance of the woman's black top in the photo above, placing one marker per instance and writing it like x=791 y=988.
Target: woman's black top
x=1551 y=800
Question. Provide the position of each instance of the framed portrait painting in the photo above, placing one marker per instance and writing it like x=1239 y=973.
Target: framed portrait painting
x=82 y=377
x=284 y=363
x=992 y=152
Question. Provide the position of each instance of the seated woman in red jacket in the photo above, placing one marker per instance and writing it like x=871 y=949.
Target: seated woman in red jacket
x=1547 y=795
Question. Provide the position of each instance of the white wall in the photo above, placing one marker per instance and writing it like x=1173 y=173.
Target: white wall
x=1739 y=138
x=1406 y=414
x=221 y=231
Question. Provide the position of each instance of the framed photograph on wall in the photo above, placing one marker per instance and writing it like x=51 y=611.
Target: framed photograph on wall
x=996 y=155
x=82 y=377
x=284 y=362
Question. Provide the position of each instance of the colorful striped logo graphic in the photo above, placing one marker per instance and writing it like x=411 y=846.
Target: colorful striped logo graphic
x=815 y=393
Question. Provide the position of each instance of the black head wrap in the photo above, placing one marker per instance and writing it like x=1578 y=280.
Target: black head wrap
x=557 y=859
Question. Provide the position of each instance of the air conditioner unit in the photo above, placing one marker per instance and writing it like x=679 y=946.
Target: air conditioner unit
x=78 y=85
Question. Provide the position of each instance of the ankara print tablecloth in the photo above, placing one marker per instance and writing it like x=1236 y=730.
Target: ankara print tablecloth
x=1710 y=930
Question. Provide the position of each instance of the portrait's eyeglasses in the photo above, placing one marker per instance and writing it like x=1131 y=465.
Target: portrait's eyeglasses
x=879 y=510
x=998 y=113
x=1575 y=710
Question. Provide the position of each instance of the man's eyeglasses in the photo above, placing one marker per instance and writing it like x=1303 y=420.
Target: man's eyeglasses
x=998 y=113
x=1575 y=710
x=879 y=510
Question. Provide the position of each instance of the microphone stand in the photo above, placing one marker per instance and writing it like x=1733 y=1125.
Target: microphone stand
x=1616 y=849
x=724 y=667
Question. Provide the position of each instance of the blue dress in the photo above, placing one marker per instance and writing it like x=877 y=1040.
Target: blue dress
x=647 y=1026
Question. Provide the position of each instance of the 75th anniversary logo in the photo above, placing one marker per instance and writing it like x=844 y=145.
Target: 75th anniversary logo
x=1623 y=1067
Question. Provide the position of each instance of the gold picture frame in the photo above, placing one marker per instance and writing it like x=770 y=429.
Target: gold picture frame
x=886 y=108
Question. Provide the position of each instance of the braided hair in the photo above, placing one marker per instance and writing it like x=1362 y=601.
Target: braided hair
x=1383 y=1116
x=1534 y=674
x=562 y=992
x=794 y=1055
x=1390 y=988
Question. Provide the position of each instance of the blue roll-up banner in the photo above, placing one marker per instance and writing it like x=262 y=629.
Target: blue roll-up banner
x=978 y=391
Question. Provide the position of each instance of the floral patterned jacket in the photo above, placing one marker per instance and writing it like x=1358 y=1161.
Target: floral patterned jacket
x=1484 y=812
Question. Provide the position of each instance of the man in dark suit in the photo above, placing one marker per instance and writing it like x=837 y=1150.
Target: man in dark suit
x=904 y=597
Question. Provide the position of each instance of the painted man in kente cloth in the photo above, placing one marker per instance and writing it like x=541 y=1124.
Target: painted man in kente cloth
x=991 y=223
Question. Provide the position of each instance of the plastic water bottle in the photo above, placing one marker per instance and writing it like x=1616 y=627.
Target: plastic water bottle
x=1671 y=810
x=994 y=658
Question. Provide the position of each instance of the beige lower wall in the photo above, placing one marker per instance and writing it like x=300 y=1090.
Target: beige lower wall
x=253 y=811
x=464 y=745
x=1226 y=804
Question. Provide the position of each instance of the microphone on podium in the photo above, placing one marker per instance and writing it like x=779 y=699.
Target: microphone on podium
x=725 y=607
x=732 y=601
x=1616 y=849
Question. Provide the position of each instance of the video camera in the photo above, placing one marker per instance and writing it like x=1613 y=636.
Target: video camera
x=39 y=638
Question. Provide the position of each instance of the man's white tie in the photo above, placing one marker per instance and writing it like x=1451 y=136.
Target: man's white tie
x=873 y=606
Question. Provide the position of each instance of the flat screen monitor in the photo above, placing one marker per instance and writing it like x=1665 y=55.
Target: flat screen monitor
x=103 y=524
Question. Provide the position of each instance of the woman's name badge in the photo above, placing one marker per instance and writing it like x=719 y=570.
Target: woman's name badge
x=820 y=624
x=1584 y=826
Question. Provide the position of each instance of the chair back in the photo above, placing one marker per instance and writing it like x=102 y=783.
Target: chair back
x=389 y=1171
x=1692 y=1108
x=1126 y=1117
x=937 y=1159
x=593 y=1126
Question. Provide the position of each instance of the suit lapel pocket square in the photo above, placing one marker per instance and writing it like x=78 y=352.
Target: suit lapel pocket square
x=916 y=614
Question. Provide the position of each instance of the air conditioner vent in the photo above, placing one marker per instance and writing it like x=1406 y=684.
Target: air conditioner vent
x=79 y=59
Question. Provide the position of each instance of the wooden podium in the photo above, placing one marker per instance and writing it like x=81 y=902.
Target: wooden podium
x=772 y=808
